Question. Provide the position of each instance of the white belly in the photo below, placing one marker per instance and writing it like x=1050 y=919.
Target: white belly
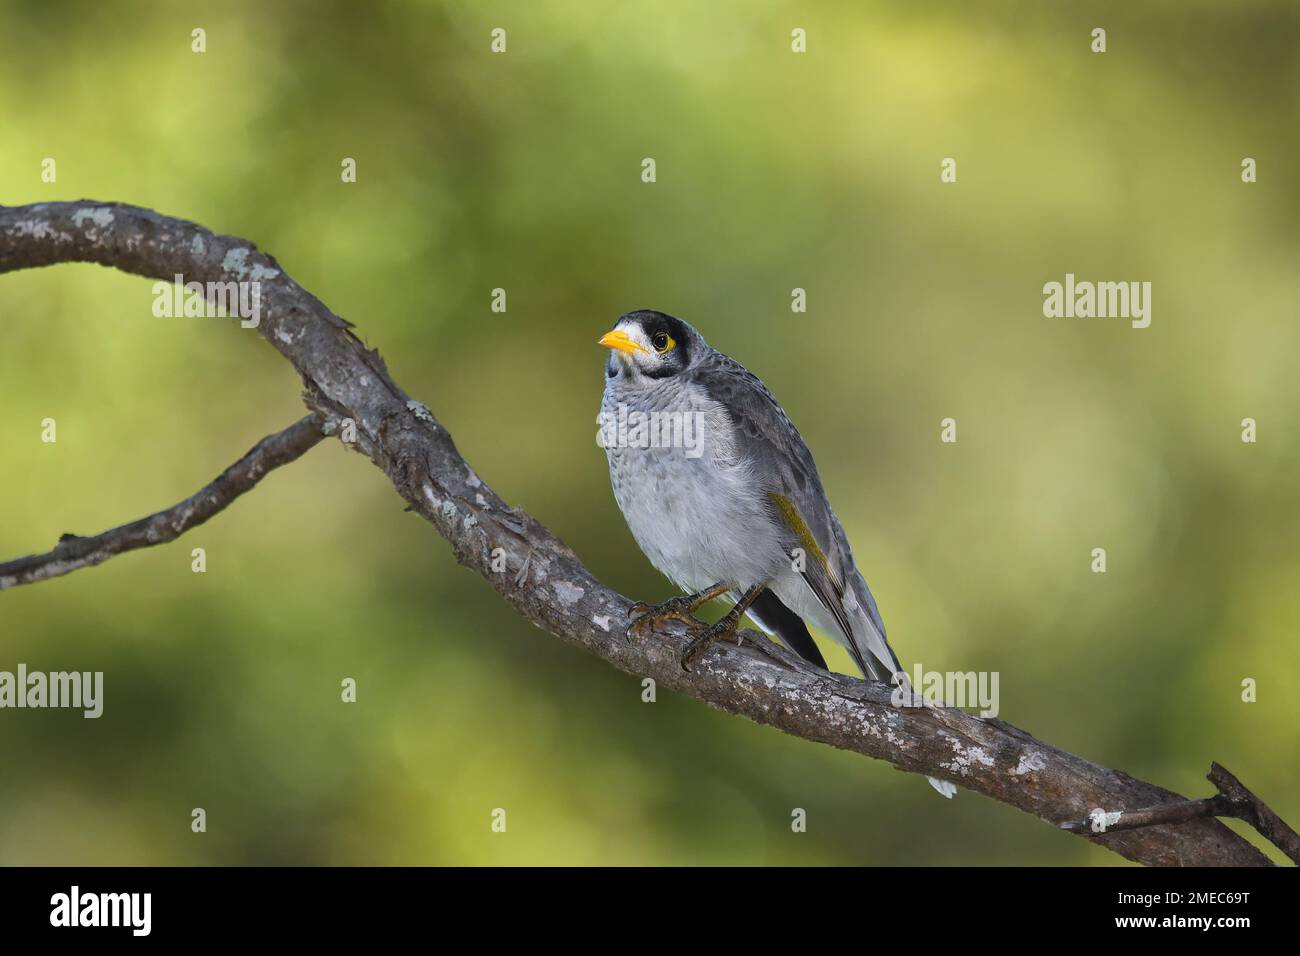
x=699 y=520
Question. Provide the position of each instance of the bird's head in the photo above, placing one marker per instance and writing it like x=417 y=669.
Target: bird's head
x=650 y=344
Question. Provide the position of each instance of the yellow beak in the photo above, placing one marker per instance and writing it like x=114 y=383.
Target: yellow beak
x=619 y=340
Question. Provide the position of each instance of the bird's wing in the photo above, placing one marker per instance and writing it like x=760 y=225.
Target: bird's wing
x=785 y=469
x=787 y=475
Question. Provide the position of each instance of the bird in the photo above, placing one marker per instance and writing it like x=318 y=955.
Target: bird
x=734 y=507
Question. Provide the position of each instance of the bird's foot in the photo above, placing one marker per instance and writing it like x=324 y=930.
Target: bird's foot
x=677 y=608
x=646 y=616
x=725 y=630
x=703 y=637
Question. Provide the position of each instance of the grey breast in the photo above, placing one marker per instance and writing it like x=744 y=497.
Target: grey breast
x=695 y=512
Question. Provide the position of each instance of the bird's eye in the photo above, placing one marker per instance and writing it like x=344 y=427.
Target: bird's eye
x=662 y=342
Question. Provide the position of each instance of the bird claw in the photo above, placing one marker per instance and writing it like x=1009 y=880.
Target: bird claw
x=682 y=608
x=703 y=637
x=646 y=616
x=640 y=626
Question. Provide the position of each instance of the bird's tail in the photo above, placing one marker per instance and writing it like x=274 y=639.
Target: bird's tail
x=944 y=788
x=874 y=657
x=849 y=601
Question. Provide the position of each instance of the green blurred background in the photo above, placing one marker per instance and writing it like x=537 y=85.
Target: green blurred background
x=775 y=171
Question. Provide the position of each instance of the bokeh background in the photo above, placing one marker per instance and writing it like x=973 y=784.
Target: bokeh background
x=775 y=171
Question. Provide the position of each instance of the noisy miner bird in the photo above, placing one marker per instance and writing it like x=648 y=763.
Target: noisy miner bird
x=734 y=506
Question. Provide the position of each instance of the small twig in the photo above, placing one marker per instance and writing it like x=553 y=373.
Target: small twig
x=1232 y=800
x=1180 y=811
x=73 y=552
x=1254 y=811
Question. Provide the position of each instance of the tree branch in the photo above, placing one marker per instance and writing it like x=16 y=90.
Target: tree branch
x=550 y=587
x=73 y=552
x=1106 y=821
x=1248 y=807
x=1232 y=800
